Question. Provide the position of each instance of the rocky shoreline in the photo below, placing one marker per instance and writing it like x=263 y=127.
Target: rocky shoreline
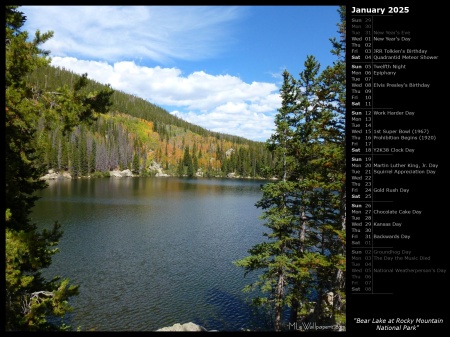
x=53 y=175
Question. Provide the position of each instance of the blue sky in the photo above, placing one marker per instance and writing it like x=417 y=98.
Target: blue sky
x=215 y=66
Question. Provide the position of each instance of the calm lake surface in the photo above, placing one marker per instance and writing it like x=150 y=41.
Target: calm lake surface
x=151 y=252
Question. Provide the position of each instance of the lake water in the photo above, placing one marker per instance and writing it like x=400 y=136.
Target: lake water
x=151 y=252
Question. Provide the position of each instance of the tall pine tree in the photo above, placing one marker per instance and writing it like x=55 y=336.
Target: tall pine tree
x=274 y=257
x=33 y=303
x=302 y=263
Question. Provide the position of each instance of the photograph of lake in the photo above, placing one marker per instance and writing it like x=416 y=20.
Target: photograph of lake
x=151 y=252
x=176 y=168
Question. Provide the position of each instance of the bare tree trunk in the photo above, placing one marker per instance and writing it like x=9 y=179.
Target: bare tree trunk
x=279 y=301
x=339 y=282
x=295 y=304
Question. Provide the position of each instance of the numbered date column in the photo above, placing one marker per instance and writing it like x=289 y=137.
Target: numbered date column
x=361 y=129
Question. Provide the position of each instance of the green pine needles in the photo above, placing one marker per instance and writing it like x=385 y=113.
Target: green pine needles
x=302 y=263
x=33 y=303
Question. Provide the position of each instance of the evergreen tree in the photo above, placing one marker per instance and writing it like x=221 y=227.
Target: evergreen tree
x=225 y=166
x=190 y=169
x=195 y=163
x=91 y=150
x=53 y=139
x=82 y=153
x=64 y=155
x=75 y=155
x=136 y=166
x=332 y=90
x=186 y=156
x=274 y=256
x=187 y=161
x=180 y=168
x=302 y=264
x=32 y=302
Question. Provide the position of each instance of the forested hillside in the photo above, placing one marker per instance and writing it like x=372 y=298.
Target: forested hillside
x=139 y=136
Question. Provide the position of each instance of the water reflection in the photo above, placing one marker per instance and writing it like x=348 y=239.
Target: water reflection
x=152 y=252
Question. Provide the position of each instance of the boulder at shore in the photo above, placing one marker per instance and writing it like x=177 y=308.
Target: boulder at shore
x=183 y=327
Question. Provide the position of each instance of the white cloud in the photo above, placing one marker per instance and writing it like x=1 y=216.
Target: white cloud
x=113 y=33
x=221 y=103
x=110 y=43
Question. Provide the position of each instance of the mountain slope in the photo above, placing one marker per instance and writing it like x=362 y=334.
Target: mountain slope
x=142 y=137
